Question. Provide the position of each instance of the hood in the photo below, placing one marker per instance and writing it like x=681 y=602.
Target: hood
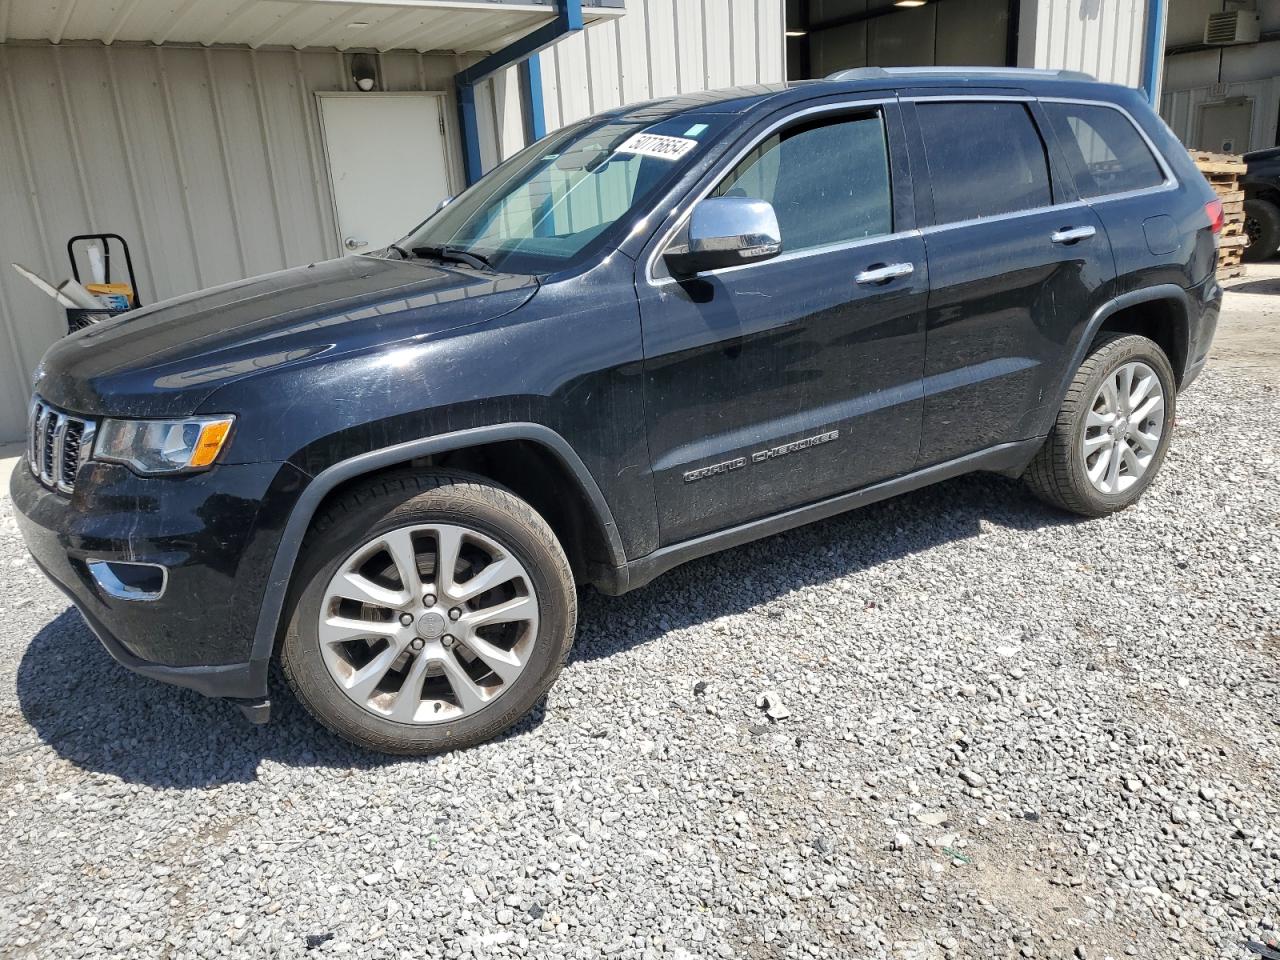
x=165 y=359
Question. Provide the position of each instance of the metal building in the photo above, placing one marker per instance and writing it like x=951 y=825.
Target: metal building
x=226 y=138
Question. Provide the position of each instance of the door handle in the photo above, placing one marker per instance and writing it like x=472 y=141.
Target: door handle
x=883 y=274
x=1073 y=234
x=351 y=243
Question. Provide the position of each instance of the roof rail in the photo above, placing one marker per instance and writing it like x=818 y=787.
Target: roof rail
x=884 y=73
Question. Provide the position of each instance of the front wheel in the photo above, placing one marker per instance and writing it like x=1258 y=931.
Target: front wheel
x=434 y=611
x=1112 y=432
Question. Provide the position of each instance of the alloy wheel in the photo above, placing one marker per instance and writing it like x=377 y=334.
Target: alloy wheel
x=1123 y=427
x=428 y=623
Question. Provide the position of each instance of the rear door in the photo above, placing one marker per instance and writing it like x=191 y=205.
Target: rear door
x=1016 y=262
x=780 y=383
x=1152 y=226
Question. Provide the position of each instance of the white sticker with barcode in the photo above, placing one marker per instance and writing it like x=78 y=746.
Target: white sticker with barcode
x=656 y=145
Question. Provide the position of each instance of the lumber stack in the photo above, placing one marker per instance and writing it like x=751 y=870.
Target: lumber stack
x=1223 y=171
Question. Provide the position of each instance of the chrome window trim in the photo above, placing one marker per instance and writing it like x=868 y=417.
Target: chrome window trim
x=1170 y=182
x=800 y=254
x=996 y=218
x=825 y=108
x=1170 y=179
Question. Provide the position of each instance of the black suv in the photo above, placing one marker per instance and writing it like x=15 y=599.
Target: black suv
x=662 y=331
x=1261 y=185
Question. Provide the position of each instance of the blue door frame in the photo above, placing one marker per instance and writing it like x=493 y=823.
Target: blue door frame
x=568 y=20
x=1153 y=51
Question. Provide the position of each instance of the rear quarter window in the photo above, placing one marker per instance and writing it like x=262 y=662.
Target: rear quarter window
x=1104 y=152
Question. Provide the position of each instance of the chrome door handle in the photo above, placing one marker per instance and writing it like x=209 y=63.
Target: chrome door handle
x=1073 y=234
x=887 y=272
x=351 y=243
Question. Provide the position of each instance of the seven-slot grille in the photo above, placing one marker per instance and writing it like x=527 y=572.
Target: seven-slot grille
x=57 y=445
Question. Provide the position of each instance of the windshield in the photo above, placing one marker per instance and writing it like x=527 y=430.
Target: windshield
x=559 y=199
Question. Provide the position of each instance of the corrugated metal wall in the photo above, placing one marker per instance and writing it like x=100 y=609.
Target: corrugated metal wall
x=660 y=48
x=1101 y=37
x=1180 y=108
x=208 y=160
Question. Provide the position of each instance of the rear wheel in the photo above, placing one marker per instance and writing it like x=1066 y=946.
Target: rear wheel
x=1112 y=432
x=435 y=611
x=1261 y=229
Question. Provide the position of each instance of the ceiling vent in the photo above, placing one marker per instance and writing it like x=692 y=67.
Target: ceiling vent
x=1239 y=23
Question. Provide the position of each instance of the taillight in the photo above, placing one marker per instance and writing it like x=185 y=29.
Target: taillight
x=1214 y=209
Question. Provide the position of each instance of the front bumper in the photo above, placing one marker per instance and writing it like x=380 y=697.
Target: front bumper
x=215 y=533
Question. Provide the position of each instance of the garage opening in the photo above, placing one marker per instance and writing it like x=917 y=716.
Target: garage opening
x=828 y=35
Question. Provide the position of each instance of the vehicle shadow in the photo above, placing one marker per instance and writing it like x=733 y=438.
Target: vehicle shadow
x=101 y=717
x=1261 y=285
x=758 y=573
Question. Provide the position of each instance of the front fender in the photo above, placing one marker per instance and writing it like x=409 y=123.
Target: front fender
x=401 y=453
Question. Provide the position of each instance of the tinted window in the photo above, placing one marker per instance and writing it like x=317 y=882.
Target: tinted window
x=1104 y=152
x=828 y=181
x=984 y=159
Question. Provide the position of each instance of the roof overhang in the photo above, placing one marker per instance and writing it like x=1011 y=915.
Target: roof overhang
x=423 y=25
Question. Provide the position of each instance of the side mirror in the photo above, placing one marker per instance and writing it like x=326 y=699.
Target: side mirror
x=727 y=232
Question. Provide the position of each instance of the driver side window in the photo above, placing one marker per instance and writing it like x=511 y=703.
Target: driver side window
x=828 y=180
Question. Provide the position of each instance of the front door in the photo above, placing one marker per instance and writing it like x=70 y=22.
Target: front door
x=780 y=383
x=387 y=163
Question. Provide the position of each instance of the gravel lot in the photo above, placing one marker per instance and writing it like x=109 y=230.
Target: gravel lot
x=1010 y=734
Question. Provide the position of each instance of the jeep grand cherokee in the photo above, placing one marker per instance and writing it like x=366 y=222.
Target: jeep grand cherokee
x=665 y=330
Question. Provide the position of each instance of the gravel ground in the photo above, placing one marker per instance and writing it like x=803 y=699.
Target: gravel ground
x=1010 y=734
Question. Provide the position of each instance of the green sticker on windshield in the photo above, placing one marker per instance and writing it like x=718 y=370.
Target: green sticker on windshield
x=695 y=130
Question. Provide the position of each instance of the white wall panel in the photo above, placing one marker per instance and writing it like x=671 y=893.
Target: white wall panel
x=207 y=160
x=1181 y=109
x=1101 y=37
x=663 y=47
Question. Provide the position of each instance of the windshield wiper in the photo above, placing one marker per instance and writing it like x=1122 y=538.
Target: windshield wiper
x=454 y=255
x=404 y=254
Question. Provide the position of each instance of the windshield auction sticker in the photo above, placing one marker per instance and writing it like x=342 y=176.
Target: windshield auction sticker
x=656 y=145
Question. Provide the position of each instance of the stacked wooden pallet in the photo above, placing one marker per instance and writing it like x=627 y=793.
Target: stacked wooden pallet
x=1223 y=171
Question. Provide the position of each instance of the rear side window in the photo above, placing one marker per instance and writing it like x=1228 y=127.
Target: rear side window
x=984 y=158
x=1104 y=153
x=828 y=181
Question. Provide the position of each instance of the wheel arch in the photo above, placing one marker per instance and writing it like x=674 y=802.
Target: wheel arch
x=1163 y=310
x=454 y=448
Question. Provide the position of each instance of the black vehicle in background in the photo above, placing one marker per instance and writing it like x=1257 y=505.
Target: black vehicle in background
x=1261 y=185
x=663 y=331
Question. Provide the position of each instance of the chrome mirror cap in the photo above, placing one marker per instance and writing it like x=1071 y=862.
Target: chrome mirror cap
x=728 y=232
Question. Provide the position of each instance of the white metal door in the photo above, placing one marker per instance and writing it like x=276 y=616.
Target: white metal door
x=1225 y=126
x=387 y=163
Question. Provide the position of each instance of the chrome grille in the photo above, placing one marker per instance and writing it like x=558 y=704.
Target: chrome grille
x=58 y=444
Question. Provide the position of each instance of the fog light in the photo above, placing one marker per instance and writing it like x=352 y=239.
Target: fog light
x=129 y=581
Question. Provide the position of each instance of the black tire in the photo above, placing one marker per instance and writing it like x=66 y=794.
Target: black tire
x=401 y=499
x=1262 y=226
x=1058 y=473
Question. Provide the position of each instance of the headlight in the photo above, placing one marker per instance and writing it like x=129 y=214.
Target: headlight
x=163 y=446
